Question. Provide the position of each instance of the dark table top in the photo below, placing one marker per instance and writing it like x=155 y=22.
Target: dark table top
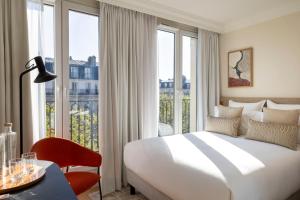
x=54 y=186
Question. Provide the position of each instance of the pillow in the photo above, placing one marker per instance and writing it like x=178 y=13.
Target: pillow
x=272 y=105
x=249 y=111
x=227 y=112
x=227 y=126
x=281 y=134
x=281 y=116
x=258 y=106
x=254 y=115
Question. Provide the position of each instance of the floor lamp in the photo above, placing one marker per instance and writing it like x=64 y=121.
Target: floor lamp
x=42 y=77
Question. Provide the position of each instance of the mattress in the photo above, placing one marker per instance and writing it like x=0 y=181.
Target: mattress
x=212 y=166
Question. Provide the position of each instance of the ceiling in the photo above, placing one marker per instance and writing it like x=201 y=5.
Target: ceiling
x=215 y=15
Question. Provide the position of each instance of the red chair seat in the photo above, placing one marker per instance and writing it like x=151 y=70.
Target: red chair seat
x=81 y=181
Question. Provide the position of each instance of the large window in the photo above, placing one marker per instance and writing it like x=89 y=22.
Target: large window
x=72 y=100
x=166 y=62
x=177 y=81
x=81 y=101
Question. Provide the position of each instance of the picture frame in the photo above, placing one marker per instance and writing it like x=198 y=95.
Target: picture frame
x=240 y=68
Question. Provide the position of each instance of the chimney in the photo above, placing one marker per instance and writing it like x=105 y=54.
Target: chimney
x=92 y=61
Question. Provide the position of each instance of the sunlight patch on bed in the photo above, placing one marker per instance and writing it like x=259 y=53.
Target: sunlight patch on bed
x=242 y=160
x=185 y=153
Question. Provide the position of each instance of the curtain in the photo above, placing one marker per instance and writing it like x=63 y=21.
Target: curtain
x=37 y=93
x=129 y=86
x=208 y=75
x=13 y=56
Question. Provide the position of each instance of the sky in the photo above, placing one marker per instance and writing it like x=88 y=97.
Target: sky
x=83 y=42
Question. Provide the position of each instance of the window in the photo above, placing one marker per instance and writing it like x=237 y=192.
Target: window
x=48 y=26
x=74 y=73
x=72 y=99
x=189 y=59
x=87 y=73
x=177 y=77
x=81 y=106
x=166 y=66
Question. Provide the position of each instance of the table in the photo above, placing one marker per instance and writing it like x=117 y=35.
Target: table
x=54 y=186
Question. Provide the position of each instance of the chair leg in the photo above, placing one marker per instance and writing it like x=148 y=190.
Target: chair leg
x=99 y=183
x=100 y=191
x=132 y=190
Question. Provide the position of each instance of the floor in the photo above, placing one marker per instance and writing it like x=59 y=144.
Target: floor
x=124 y=194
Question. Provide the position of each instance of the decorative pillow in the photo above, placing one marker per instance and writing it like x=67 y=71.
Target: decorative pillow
x=258 y=106
x=227 y=126
x=227 y=112
x=254 y=115
x=281 y=134
x=281 y=116
x=250 y=110
x=272 y=105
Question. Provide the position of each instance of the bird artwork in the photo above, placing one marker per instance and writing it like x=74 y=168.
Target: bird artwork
x=236 y=67
x=240 y=68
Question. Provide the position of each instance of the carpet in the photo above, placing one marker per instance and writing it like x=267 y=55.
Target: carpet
x=124 y=194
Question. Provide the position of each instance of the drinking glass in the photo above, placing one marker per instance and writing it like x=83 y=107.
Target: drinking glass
x=16 y=169
x=29 y=160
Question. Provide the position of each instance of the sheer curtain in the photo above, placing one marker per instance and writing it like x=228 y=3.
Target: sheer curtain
x=38 y=99
x=208 y=75
x=13 y=56
x=129 y=86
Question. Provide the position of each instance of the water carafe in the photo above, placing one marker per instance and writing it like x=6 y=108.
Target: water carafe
x=10 y=143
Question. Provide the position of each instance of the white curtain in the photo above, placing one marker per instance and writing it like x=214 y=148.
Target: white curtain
x=129 y=86
x=208 y=75
x=37 y=93
x=13 y=56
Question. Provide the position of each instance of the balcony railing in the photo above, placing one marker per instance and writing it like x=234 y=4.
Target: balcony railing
x=84 y=119
x=166 y=112
x=83 y=122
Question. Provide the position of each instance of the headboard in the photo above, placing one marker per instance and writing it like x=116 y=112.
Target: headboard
x=224 y=100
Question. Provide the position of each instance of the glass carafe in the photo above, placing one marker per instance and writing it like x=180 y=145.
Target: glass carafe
x=10 y=142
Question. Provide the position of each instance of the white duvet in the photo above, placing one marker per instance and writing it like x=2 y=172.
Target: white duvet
x=209 y=166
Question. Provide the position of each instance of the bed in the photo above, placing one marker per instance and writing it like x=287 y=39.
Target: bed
x=206 y=165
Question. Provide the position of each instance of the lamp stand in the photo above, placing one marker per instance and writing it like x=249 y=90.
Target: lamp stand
x=21 y=105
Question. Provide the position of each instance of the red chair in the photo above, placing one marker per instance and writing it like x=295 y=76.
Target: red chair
x=66 y=153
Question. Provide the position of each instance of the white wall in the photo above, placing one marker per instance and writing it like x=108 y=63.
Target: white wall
x=276 y=58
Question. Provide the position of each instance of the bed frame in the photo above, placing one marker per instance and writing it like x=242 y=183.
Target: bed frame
x=152 y=193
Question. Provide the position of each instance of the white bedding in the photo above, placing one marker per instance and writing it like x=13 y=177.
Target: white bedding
x=212 y=166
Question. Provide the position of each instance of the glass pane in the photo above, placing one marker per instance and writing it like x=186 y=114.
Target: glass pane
x=83 y=78
x=189 y=50
x=166 y=50
x=48 y=27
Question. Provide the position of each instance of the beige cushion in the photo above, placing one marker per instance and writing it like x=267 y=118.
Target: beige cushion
x=281 y=134
x=281 y=116
x=250 y=111
x=228 y=112
x=228 y=126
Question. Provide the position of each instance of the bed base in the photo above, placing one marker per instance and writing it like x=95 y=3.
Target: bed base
x=137 y=183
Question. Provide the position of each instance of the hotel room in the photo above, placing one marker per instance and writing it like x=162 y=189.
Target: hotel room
x=150 y=99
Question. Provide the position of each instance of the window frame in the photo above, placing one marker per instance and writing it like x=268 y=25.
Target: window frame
x=178 y=91
x=66 y=7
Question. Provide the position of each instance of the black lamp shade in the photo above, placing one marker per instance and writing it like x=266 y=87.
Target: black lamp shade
x=43 y=75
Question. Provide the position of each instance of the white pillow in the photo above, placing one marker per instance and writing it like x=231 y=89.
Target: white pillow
x=258 y=106
x=272 y=105
x=250 y=111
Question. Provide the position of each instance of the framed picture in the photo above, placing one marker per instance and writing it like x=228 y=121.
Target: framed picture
x=240 y=68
